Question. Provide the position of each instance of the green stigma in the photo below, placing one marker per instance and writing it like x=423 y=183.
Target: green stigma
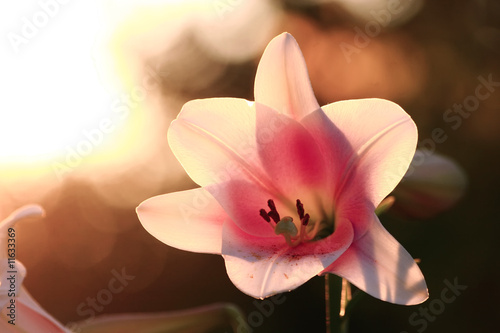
x=286 y=227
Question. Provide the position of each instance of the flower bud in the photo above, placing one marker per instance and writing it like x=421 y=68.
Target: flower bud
x=432 y=184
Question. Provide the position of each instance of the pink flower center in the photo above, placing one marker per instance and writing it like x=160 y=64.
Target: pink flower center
x=294 y=234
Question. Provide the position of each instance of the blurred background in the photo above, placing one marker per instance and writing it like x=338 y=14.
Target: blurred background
x=89 y=90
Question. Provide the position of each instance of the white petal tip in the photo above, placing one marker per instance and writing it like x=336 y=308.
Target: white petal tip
x=23 y=212
x=26 y=211
x=419 y=299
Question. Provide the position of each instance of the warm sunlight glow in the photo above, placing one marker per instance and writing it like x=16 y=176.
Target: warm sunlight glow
x=52 y=94
x=57 y=111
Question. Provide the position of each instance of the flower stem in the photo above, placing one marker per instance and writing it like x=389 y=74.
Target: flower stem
x=337 y=298
x=333 y=297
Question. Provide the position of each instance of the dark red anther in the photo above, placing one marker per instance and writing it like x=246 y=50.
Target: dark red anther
x=264 y=215
x=305 y=219
x=273 y=213
x=300 y=209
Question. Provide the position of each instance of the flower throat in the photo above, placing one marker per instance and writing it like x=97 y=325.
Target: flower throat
x=294 y=234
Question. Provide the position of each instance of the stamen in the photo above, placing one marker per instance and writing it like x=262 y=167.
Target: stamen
x=273 y=213
x=293 y=234
x=271 y=204
x=305 y=220
x=300 y=209
x=264 y=215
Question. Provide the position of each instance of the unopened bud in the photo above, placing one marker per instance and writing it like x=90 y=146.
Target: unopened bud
x=433 y=184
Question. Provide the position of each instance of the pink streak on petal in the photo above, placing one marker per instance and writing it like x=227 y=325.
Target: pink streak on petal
x=188 y=220
x=379 y=265
x=336 y=151
x=262 y=267
x=282 y=81
x=290 y=156
x=333 y=143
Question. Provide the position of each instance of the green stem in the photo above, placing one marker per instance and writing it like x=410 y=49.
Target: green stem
x=333 y=296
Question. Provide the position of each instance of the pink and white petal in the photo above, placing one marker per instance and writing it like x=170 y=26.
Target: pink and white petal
x=282 y=81
x=262 y=267
x=379 y=265
x=214 y=140
x=369 y=144
x=188 y=220
x=383 y=138
x=357 y=208
x=33 y=318
x=290 y=156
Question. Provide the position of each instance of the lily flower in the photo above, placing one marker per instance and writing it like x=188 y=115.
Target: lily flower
x=289 y=188
x=19 y=311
